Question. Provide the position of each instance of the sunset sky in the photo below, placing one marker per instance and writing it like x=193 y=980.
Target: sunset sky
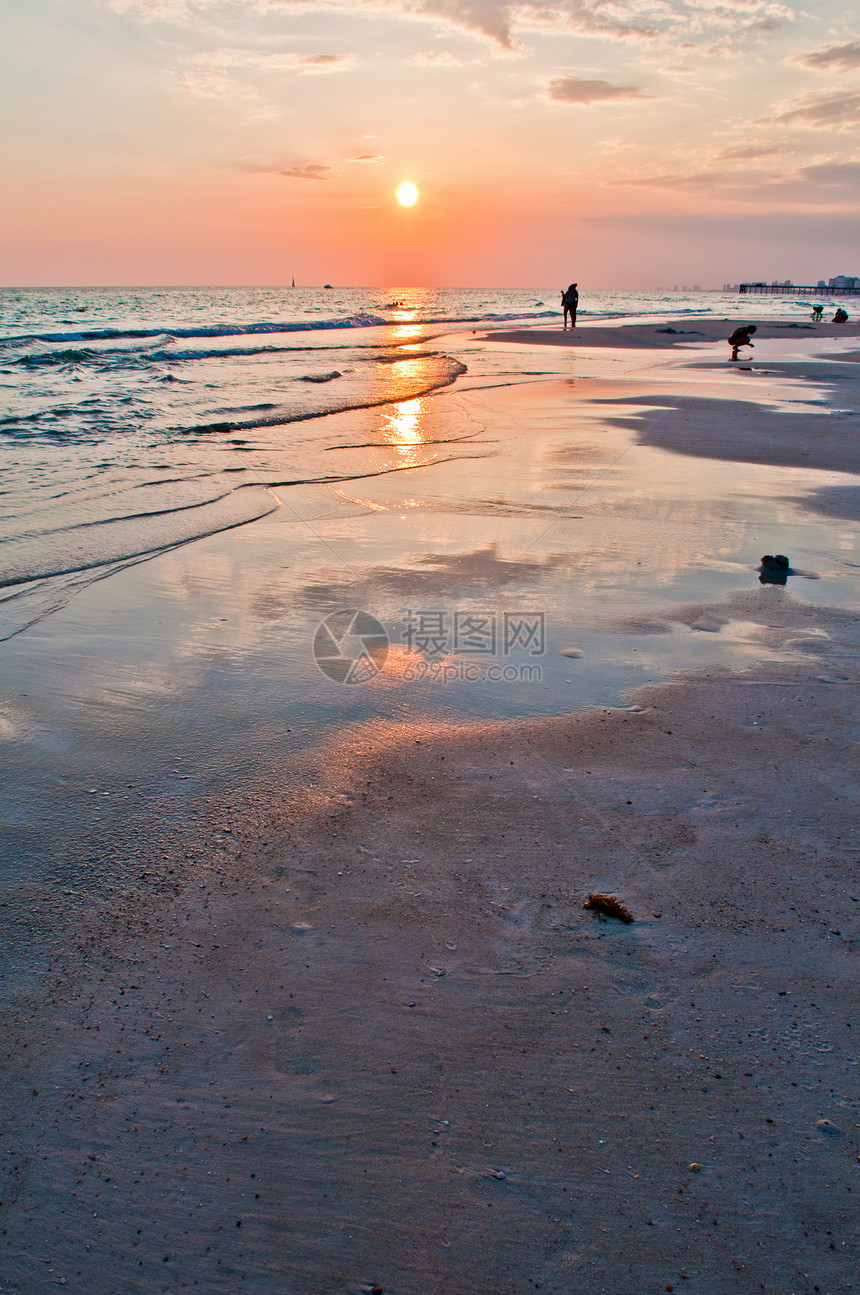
x=629 y=143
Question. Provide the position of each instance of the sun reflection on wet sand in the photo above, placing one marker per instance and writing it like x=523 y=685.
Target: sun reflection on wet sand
x=373 y=504
x=403 y=428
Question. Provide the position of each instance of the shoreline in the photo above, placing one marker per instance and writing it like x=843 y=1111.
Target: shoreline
x=357 y=1029
x=675 y=333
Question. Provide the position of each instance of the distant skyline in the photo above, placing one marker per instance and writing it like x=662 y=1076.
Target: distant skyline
x=622 y=143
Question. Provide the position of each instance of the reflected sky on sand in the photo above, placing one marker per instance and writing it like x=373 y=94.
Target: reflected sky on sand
x=524 y=549
x=554 y=509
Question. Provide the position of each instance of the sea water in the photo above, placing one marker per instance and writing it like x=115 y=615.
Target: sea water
x=134 y=420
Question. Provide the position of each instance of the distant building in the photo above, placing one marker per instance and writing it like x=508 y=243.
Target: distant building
x=844 y=281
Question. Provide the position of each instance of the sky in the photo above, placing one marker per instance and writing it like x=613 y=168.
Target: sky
x=623 y=143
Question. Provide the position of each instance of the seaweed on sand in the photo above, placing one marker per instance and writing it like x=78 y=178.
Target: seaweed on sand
x=609 y=906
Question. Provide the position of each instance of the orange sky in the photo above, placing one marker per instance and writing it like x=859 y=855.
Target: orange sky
x=247 y=141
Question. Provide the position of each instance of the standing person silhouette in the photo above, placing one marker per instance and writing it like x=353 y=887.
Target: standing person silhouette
x=570 y=304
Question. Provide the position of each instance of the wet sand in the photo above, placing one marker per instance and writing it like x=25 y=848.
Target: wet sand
x=360 y=1031
x=679 y=333
x=745 y=426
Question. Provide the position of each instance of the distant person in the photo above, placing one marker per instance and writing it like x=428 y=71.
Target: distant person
x=841 y=316
x=817 y=312
x=741 y=337
x=570 y=304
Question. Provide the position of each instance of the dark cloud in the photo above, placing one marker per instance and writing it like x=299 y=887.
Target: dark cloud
x=814 y=184
x=840 y=173
x=691 y=182
x=824 y=111
x=838 y=58
x=322 y=60
x=750 y=152
x=574 y=89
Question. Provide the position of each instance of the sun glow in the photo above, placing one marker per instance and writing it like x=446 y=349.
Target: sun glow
x=407 y=194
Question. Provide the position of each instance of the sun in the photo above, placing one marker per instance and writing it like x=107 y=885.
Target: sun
x=407 y=194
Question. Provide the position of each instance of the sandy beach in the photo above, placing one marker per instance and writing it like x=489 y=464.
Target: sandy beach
x=341 y=1022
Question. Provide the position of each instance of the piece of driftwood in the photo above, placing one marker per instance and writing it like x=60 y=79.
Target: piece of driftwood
x=609 y=906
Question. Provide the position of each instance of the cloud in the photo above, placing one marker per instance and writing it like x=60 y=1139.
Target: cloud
x=207 y=82
x=441 y=58
x=218 y=72
x=691 y=181
x=750 y=152
x=839 y=58
x=821 y=111
x=623 y=21
x=574 y=89
x=498 y=22
x=832 y=173
x=323 y=62
x=153 y=10
x=262 y=61
x=311 y=171
x=373 y=158
x=800 y=185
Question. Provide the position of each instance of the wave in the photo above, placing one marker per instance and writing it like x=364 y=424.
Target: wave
x=436 y=371
x=168 y=353
x=113 y=358
x=447 y=372
x=67 y=356
x=110 y=358
x=126 y=357
x=365 y=320
x=90 y=545
x=405 y=379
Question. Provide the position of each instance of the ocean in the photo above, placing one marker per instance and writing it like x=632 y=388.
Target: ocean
x=136 y=420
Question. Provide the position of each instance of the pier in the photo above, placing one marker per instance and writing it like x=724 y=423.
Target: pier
x=797 y=290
